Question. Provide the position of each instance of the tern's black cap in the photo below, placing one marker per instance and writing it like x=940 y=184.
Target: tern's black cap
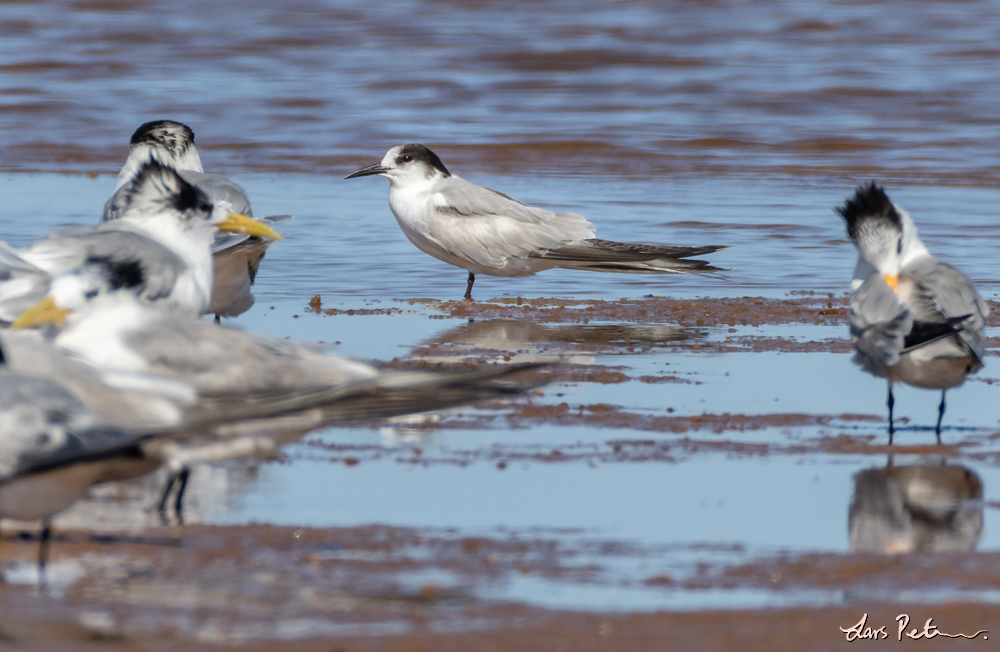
x=417 y=152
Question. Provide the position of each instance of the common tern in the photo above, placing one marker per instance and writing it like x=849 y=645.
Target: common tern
x=158 y=249
x=236 y=257
x=914 y=319
x=486 y=232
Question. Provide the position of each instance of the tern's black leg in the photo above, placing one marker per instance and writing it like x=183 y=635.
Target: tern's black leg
x=218 y=319
x=182 y=479
x=937 y=430
x=890 y=402
x=161 y=507
x=43 y=548
x=468 y=288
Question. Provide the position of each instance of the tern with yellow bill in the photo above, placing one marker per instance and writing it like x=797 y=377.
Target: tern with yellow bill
x=236 y=256
x=243 y=376
x=914 y=319
x=158 y=250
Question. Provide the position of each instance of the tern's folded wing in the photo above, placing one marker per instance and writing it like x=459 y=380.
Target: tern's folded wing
x=945 y=294
x=488 y=227
x=879 y=324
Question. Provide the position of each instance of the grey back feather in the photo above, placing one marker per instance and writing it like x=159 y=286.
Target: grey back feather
x=944 y=293
x=879 y=325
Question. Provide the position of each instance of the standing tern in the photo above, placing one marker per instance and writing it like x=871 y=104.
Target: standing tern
x=158 y=249
x=913 y=318
x=236 y=257
x=52 y=451
x=245 y=377
x=486 y=232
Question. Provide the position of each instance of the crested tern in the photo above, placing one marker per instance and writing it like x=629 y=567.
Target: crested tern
x=486 y=232
x=236 y=257
x=236 y=376
x=158 y=249
x=913 y=318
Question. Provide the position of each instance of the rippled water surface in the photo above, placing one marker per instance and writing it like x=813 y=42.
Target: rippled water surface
x=721 y=122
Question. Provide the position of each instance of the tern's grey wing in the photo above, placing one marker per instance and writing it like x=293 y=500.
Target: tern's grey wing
x=462 y=197
x=146 y=404
x=942 y=293
x=128 y=260
x=37 y=417
x=628 y=257
x=219 y=361
x=879 y=325
x=52 y=451
x=488 y=228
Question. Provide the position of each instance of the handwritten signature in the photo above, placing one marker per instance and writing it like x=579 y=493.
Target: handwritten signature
x=862 y=630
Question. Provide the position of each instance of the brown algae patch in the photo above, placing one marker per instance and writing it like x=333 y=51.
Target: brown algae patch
x=813 y=308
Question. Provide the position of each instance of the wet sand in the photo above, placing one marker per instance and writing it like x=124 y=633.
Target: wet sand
x=138 y=585
x=380 y=588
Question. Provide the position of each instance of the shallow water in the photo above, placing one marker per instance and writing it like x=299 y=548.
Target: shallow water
x=685 y=445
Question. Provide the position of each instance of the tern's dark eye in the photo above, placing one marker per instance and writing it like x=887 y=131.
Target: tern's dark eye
x=404 y=158
x=207 y=208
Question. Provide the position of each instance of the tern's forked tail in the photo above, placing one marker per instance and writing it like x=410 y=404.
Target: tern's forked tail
x=626 y=257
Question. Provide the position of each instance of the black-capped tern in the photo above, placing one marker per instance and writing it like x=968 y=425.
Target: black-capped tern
x=486 y=232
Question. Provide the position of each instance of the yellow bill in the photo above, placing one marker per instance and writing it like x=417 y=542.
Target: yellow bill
x=243 y=224
x=892 y=280
x=44 y=312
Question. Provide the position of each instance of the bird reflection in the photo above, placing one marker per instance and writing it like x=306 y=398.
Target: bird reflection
x=569 y=343
x=918 y=508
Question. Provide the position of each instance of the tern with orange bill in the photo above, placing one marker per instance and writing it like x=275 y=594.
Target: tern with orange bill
x=913 y=318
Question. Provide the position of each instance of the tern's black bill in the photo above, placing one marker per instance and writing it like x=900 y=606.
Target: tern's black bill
x=376 y=168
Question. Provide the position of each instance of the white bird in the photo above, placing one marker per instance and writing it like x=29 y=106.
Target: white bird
x=237 y=257
x=237 y=376
x=913 y=318
x=158 y=249
x=486 y=232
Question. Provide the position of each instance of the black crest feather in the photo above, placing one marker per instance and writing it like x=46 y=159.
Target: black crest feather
x=120 y=274
x=868 y=202
x=181 y=194
x=418 y=152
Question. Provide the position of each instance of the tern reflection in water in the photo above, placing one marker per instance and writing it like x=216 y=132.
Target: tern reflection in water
x=532 y=342
x=513 y=341
x=918 y=508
